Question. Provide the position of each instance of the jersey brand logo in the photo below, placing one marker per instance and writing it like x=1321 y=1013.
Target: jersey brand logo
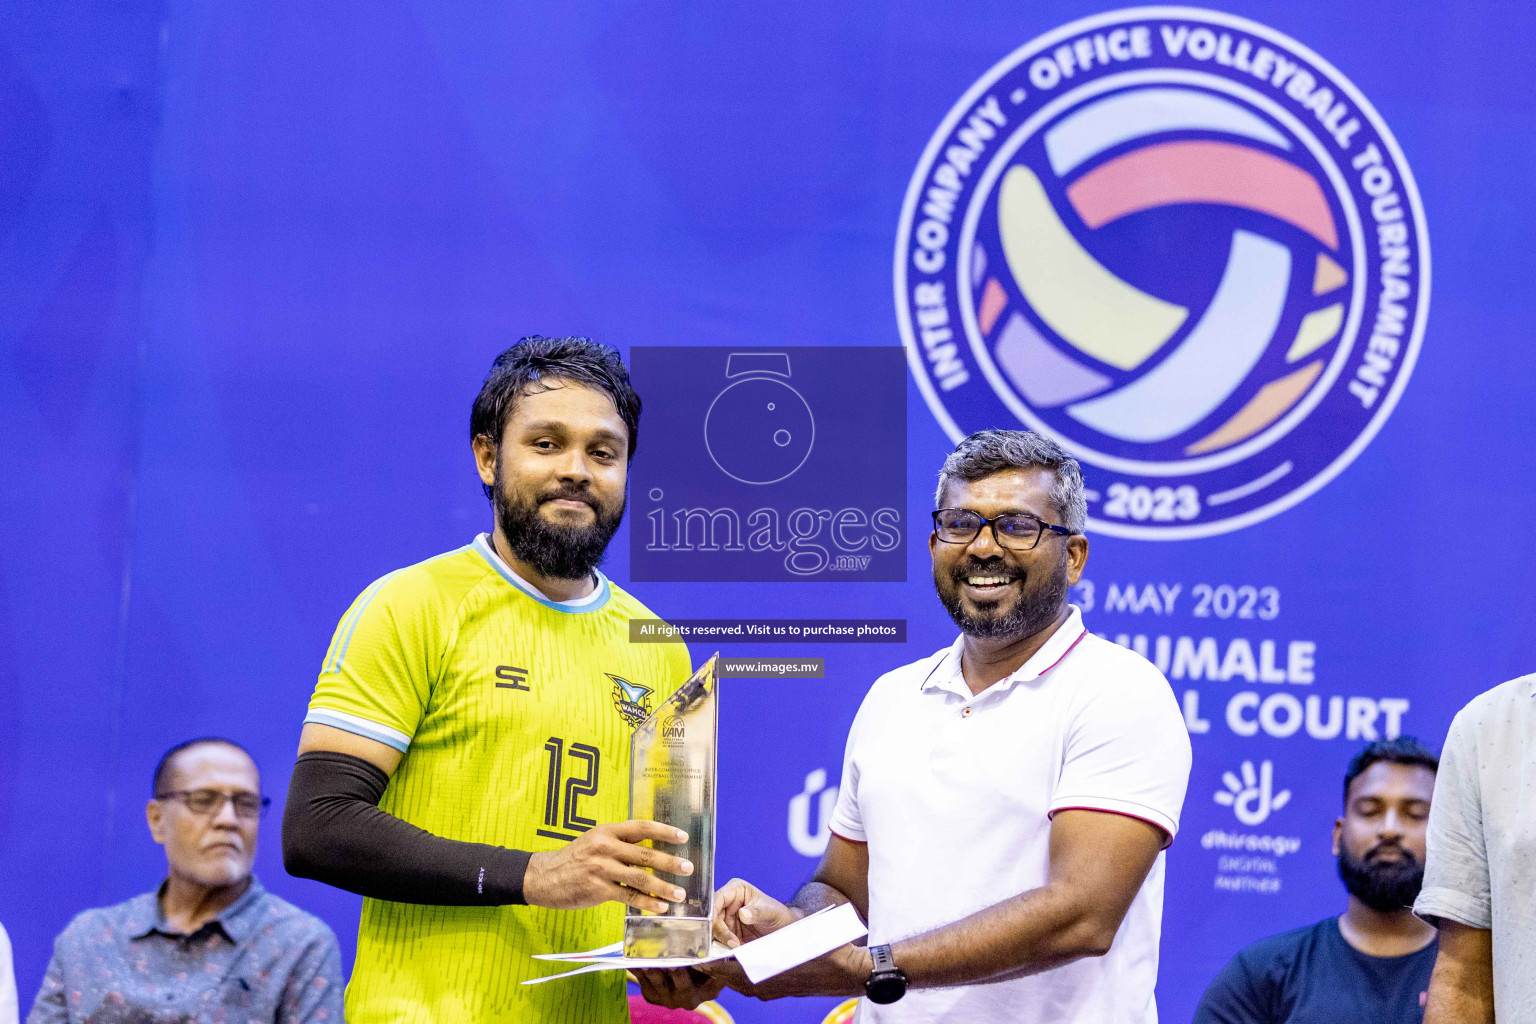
x=510 y=677
x=631 y=700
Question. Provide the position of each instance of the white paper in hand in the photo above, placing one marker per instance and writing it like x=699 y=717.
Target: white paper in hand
x=612 y=958
x=793 y=945
x=775 y=953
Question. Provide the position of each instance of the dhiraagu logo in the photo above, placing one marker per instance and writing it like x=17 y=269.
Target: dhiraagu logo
x=1180 y=243
x=1251 y=793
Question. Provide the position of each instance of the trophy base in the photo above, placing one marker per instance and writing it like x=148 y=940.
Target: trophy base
x=660 y=938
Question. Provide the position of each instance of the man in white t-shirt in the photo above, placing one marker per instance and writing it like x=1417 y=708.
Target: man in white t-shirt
x=1005 y=802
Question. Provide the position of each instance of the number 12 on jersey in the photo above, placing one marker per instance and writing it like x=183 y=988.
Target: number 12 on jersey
x=566 y=787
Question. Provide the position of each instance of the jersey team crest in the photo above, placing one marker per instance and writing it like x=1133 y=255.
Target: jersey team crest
x=631 y=700
x=1178 y=242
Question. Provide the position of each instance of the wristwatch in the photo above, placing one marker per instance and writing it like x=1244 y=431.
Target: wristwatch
x=886 y=983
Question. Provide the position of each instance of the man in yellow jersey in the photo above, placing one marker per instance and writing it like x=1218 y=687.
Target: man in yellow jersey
x=465 y=760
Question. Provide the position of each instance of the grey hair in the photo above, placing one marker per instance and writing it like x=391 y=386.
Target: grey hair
x=992 y=451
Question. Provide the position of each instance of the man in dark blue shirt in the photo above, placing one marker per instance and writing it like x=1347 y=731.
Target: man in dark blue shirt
x=1371 y=963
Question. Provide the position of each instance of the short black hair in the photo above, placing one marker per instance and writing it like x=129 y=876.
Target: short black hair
x=992 y=451
x=167 y=763
x=1402 y=750
x=536 y=358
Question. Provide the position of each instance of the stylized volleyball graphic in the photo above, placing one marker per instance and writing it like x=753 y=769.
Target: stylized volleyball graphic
x=1180 y=243
x=1143 y=370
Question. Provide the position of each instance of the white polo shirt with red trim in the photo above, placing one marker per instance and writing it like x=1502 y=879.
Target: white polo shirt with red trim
x=954 y=795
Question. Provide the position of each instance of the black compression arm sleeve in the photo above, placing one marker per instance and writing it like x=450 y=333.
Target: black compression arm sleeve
x=333 y=831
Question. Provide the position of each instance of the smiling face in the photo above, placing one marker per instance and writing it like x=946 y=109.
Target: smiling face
x=1380 y=839
x=215 y=849
x=558 y=476
x=996 y=592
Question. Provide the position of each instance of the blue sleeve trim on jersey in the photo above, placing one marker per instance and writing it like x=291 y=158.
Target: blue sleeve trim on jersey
x=596 y=600
x=356 y=617
x=359 y=726
x=350 y=620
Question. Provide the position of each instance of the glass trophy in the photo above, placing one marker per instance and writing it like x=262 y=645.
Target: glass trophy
x=672 y=780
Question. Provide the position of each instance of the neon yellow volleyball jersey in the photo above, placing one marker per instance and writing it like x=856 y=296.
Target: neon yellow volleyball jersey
x=514 y=715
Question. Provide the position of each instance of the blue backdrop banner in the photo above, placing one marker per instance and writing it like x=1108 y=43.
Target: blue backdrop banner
x=256 y=259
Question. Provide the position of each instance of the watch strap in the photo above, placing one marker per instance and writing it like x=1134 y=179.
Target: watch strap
x=887 y=982
x=883 y=961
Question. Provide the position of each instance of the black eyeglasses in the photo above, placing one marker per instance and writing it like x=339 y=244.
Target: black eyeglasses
x=211 y=801
x=1018 y=531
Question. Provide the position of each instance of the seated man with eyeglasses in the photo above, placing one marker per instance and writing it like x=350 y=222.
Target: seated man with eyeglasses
x=210 y=944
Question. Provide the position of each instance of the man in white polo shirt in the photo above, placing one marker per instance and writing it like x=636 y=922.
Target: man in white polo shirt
x=1005 y=802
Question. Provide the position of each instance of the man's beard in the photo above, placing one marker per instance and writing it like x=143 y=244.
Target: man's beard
x=1384 y=886
x=1031 y=611
x=559 y=552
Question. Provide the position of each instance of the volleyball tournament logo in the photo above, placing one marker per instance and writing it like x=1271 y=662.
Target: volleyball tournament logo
x=1178 y=242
